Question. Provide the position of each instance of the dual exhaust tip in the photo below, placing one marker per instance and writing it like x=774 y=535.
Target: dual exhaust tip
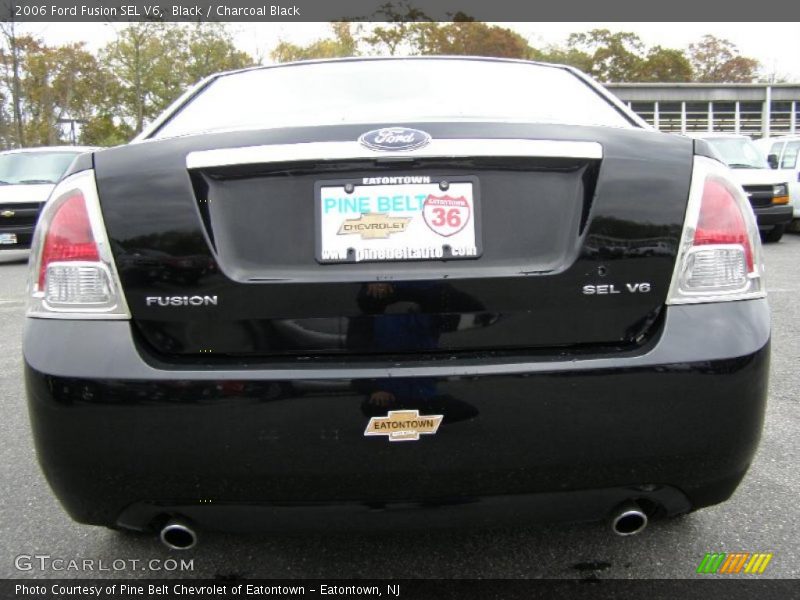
x=628 y=519
x=178 y=535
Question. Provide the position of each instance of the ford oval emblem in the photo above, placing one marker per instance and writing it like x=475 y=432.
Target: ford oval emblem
x=390 y=139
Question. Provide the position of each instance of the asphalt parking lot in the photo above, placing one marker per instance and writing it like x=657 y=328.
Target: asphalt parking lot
x=761 y=517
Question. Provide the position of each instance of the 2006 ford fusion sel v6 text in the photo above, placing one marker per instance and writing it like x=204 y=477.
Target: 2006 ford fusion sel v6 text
x=371 y=291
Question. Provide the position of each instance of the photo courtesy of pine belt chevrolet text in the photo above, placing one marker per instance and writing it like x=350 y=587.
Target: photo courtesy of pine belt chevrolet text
x=303 y=300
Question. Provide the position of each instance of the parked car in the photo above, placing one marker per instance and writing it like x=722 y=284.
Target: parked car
x=781 y=154
x=767 y=190
x=27 y=177
x=429 y=301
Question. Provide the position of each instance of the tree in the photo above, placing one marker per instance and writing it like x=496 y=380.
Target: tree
x=566 y=56
x=614 y=56
x=103 y=130
x=717 y=60
x=11 y=63
x=467 y=38
x=153 y=63
x=665 y=65
x=65 y=89
x=342 y=44
x=618 y=56
x=390 y=37
x=48 y=86
x=135 y=58
x=209 y=49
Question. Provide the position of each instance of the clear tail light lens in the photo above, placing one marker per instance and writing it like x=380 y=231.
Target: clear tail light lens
x=72 y=271
x=720 y=253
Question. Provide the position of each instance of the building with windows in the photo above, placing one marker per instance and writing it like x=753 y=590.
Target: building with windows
x=754 y=109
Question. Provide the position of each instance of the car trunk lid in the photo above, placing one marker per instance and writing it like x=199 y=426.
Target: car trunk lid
x=221 y=256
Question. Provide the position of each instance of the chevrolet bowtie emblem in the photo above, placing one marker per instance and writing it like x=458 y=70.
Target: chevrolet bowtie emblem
x=7 y=213
x=373 y=226
x=404 y=425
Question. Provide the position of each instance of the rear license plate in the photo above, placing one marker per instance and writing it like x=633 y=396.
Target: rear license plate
x=7 y=239
x=397 y=219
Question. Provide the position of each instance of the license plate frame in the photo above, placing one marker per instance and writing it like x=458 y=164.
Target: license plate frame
x=431 y=232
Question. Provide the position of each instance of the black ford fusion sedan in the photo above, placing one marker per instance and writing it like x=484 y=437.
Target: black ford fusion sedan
x=439 y=290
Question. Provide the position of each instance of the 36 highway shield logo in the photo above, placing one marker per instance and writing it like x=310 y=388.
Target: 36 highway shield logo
x=446 y=215
x=403 y=425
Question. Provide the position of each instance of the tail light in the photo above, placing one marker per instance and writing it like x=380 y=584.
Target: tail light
x=720 y=252
x=72 y=271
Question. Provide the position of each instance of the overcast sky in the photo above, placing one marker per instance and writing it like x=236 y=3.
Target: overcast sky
x=775 y=45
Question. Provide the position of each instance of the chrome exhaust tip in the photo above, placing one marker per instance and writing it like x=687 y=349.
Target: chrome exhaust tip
x=629 y=519
x=178 y=535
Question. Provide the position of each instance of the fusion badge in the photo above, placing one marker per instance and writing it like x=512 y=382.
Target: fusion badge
x=404 y=425
x=181 y=301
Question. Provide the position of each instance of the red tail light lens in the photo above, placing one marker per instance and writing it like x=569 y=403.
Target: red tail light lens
x=72 y=270
x=721 y=220
x=69 y=237
x=719 y=257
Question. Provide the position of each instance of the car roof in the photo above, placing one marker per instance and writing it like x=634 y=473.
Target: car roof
x=345 y=59
x=76 y=149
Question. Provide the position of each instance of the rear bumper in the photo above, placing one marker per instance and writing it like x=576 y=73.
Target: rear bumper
x=124 y=439
x=769 y=216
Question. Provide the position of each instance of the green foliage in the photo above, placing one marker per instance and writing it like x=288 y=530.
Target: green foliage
x=466 y=38
x=402 y=36
x=665 y=65
x=153 y=63
x=55 y=84
x=101 y=130
x=566 y=56
x=395 y=33
x=342 y=44
x=614 y=56
x=209 y=48
x=606 y=55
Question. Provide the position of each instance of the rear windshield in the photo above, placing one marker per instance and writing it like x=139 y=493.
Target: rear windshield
x=32 y=168
x=393 y=91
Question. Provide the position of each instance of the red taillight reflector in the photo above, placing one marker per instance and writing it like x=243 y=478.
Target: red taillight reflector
x=69 y=236
x=721 y=220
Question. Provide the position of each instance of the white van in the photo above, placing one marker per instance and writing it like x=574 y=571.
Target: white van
x=766 y=189
x=782 y=155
